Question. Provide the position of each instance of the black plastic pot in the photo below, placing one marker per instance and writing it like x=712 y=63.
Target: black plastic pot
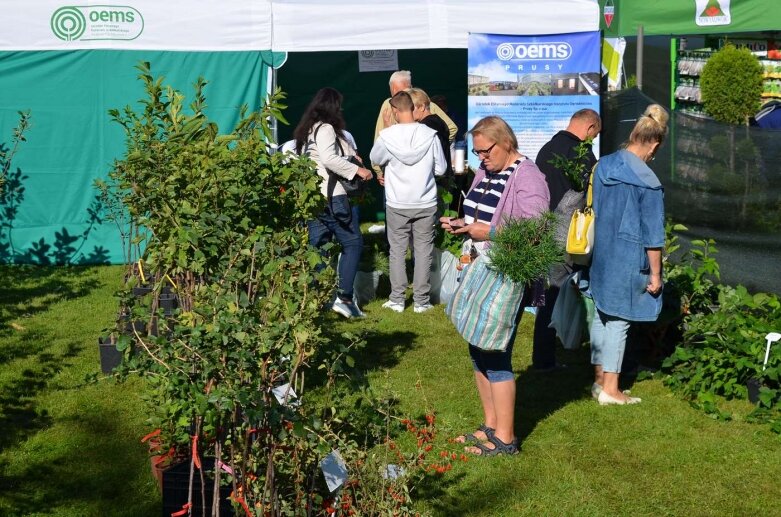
x=110 y=357
x=753 y=386
x=168 y=303
x=145 y=289
x=176 y=483
x=142 y=290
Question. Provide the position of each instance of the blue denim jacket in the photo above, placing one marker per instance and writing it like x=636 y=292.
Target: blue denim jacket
x=629 y=208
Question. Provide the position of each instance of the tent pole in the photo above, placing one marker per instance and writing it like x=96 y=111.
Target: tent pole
x=271 y=86
x=640 y=57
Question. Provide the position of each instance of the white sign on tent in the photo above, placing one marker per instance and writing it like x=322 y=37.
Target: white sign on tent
x=378 y=60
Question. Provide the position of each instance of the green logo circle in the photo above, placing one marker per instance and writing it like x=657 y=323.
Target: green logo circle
x=68 y=23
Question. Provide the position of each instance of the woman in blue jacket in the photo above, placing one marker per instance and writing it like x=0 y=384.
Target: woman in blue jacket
x=626 y=267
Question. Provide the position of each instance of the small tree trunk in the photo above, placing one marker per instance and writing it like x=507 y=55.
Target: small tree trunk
x=216 y=486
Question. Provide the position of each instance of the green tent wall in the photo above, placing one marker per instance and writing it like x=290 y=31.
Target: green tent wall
x=72 y=141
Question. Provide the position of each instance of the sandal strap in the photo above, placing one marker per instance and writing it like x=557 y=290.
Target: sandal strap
x=487 y=430
x=502 y=447
x=471 y=438
x=485 y=451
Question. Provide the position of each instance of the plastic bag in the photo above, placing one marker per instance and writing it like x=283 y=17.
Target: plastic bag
x=444 y=276
x=365 y=286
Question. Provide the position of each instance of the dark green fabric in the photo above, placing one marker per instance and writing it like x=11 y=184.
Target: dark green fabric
x=73 y=141
x=437 y=71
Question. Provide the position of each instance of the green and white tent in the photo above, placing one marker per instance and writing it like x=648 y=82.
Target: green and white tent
x=70 y=64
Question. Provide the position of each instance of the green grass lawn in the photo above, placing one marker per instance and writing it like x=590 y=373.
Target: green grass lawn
x=70 y=448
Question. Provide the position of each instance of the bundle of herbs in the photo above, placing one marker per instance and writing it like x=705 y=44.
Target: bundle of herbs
x=524 y=249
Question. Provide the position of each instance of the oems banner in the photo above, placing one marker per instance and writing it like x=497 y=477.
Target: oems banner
x=535 y=83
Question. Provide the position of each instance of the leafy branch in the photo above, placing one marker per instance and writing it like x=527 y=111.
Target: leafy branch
x=574 y=169
x=6 y=154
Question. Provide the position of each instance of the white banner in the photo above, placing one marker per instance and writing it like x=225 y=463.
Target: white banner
x=136 y=25
x=298 y=25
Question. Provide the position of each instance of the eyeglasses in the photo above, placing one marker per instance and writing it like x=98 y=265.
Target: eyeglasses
x=478 y=152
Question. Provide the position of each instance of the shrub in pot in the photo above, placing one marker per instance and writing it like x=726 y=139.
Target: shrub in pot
x=224 y=224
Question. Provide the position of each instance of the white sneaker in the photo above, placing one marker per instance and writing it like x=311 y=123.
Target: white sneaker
x=422 y=308
x=346 y=309
x=394 y=306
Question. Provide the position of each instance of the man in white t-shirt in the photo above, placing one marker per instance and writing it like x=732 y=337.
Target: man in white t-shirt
x=411 y=155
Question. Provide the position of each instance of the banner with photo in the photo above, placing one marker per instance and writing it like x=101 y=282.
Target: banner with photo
x=535 y=83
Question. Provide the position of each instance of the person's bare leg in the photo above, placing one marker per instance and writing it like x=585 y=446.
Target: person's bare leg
x=599 y=375
x=610 y=386
x=503 y=402
x=486 y=400
x=503 y=394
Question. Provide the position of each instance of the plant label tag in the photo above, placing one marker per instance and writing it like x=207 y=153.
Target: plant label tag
x=393 y=472
x=225 y=467
x=285 y=395
x=334 y=470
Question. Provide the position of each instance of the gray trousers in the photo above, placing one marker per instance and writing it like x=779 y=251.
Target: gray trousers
x=413 y=226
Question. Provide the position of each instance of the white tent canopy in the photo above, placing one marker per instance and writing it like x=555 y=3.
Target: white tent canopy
x=283 y=25
x=310 y=25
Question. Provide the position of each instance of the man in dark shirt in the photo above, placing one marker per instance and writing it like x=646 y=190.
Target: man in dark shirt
x=584 y=126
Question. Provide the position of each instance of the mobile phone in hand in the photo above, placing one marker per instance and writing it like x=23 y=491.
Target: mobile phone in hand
x=455 y=224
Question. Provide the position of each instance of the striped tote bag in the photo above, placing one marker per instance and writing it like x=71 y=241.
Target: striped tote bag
x=485 y=306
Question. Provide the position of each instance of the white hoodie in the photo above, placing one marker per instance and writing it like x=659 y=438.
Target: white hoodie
x=412 y=156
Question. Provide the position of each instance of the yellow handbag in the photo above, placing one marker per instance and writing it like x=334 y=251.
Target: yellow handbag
x=580 y=237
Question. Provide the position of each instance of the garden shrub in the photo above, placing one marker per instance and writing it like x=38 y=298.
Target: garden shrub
x=731 y=85
x=724 y=335
x=222 y=222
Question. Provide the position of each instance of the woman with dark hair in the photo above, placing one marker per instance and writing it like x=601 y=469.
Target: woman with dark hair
x=320 y=134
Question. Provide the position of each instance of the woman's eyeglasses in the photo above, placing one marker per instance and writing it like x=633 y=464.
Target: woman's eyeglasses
x=486 y=152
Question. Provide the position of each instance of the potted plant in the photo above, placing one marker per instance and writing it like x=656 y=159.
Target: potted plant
x=224 y=218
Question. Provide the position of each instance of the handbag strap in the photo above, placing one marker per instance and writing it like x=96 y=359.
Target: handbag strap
x=590 y=192
x=331 y=182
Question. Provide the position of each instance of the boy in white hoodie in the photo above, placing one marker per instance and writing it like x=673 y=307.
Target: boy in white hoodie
x=411 y=155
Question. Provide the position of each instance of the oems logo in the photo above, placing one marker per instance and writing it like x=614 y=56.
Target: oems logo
x=97 y=22
x=553 y=51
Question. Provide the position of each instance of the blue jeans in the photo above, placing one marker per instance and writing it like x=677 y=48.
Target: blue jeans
x=340 y=221
x=608 y=342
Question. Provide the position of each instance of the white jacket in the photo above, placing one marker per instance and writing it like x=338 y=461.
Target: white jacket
x=324 y=151
x=412 y=156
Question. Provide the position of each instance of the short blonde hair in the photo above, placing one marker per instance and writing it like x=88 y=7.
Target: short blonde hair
x=419 y=97
x=651 y=127
x=497 y=130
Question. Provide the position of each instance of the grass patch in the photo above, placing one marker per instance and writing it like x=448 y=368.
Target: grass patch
x=67 y=448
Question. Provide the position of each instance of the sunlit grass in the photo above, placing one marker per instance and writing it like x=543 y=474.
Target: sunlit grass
x=70 y=448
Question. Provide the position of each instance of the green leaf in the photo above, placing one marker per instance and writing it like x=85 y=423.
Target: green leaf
x=123 y=342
